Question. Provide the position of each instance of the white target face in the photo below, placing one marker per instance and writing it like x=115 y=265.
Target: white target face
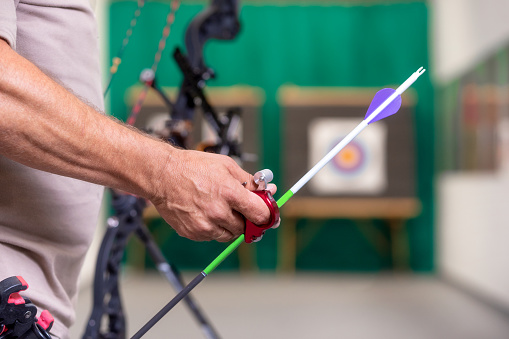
x=360 y=168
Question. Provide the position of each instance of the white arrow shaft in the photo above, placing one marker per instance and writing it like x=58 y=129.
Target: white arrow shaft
x=404 y=86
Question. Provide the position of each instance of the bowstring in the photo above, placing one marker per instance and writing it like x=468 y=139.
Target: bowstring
x=170 y=19
x=117 y=60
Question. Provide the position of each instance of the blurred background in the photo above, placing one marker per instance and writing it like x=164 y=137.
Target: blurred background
x=403 y=235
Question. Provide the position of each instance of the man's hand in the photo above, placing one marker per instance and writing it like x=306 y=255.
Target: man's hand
x=44 y=126
x=201 y=195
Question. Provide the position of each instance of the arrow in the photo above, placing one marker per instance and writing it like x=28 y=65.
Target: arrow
x=385 y=103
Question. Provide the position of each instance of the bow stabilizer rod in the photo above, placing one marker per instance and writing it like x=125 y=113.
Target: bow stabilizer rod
x=385 y=103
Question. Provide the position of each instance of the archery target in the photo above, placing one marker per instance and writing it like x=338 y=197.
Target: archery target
x=360 y=168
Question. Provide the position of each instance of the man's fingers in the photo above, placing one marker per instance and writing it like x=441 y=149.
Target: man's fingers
x=272 y=189
x=276 y=225
x=225 y=236
x=244 y=178
x=250 y=205
x=234 y=223
x=243 y=200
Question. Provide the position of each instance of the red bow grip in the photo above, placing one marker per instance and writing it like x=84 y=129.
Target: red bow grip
x=253 y=232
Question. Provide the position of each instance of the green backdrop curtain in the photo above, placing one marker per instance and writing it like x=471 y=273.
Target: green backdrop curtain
x=318 y=44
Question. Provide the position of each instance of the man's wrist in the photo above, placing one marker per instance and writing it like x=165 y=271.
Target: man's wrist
x=156 y=164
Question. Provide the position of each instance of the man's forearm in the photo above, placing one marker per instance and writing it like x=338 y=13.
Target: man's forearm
x=44 y=126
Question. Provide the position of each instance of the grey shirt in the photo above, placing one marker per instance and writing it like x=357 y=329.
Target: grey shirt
x=47 y=221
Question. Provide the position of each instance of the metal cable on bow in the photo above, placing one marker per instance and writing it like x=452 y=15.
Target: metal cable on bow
x=170 y=19
x=117 y=60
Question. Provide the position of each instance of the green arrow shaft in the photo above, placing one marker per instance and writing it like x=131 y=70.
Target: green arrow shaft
x=220 y=258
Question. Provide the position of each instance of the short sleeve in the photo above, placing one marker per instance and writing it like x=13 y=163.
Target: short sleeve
x=8 y=21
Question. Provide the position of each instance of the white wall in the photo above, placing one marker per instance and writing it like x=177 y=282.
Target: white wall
x=473 y=233
x=472 y=209
x=465 y=32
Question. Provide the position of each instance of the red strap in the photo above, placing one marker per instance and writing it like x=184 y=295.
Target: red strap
x=22 y=281
x=16 y=299
x=254 y=233
x=45 y=320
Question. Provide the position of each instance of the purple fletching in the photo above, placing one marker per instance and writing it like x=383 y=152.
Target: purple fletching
x=379 y=98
